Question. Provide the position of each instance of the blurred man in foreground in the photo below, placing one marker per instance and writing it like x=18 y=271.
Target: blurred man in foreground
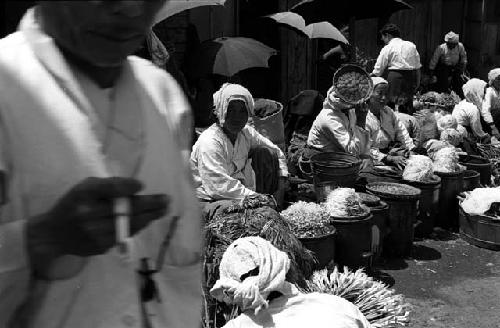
x=82 y=123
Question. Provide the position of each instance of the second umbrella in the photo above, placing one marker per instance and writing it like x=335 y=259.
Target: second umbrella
x=315 y=30
x=229 y=55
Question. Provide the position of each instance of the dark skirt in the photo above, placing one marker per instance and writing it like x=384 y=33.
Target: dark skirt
x=401 y=83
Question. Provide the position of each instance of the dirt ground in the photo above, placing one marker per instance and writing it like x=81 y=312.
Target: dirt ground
x=448 y=282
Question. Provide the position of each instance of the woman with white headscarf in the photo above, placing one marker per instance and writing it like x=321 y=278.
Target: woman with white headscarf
x=253 y=276
x=225 y=156
x=340 y=127
x=390 y=141
x=467 y=112
x=491 y=104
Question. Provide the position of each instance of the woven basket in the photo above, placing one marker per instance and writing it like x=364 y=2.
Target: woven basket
x=350 y=68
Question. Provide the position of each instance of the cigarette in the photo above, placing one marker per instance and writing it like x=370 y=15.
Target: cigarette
x=121 y=209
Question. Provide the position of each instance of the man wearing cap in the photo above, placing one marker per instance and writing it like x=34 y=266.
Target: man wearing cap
x=448 y=64
x=399 y=62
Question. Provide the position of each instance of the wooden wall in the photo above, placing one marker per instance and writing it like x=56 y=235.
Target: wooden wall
x=482 y=36
x=297 y=59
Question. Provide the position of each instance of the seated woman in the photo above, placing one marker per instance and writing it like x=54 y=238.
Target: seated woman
x=390 y=141
x=340 y=127
x=467 y=112
x=231 y=160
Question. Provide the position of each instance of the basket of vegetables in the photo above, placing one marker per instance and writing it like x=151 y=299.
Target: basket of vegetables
x=311 y=224
x=352 y=84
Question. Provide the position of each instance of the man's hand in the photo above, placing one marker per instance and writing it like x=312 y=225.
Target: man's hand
x=82 y=222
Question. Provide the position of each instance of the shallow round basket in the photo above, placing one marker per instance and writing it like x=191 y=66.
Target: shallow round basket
x=393 y=190
x=350 y=68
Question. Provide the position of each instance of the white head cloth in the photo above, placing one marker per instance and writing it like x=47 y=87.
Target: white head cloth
x=451 y=37
x=226 y=94
x=474 y=91
x=242 y=256
x=493 y=75
x=378 y=80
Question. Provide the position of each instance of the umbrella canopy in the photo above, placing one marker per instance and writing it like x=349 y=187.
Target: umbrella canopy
x=229 y=55
x=173 y=7
x=315 y=30
x=339 y=12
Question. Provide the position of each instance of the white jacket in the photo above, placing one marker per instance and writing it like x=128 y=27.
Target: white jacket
x=48 y=145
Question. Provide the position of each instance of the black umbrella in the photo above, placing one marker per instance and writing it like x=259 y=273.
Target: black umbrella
x=340 y=12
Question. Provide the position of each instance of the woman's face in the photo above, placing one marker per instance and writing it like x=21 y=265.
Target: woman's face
x=378 y=98
x=236 y=117
x=102 y=33
x=496 y=83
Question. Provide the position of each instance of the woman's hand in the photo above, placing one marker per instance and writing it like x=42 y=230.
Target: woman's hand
x=361 y=112
x=82 y=222
x=397 y=161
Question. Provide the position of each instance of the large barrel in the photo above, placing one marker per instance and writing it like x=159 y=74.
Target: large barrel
x=403 y=208
x=380 y=213
x=479 y=164
x=428 y=206
x=323 y=248
x=480 y=230
x=471 y=180
x=451 y=187
x=353 y=241
x=334 y=169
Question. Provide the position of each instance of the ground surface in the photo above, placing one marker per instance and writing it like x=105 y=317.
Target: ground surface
x=448 y=282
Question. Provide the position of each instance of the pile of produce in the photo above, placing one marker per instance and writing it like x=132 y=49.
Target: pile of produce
x=429 y=99
x=352 y=84
x=419 y=168
x=447 y=101
x=381 y=306
x=452 y=136
x=308 y=219
x=344 y=202
x=447 y=122
x=384 y=189
x=482 y=201
x=446 y=161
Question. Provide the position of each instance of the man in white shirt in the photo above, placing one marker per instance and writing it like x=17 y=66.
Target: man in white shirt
x=399 y=61
x=81 y=124
x=448 y=64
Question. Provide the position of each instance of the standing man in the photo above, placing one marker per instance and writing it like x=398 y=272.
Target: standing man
x=399 y=60
x=83 y=123
x=448 y=64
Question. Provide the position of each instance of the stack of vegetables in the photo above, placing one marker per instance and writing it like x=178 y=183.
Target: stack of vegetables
x=345 y=202
x=381 y=306
x=419 y=168
x=314 y=220
x=446 y=161
x=308 y=219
